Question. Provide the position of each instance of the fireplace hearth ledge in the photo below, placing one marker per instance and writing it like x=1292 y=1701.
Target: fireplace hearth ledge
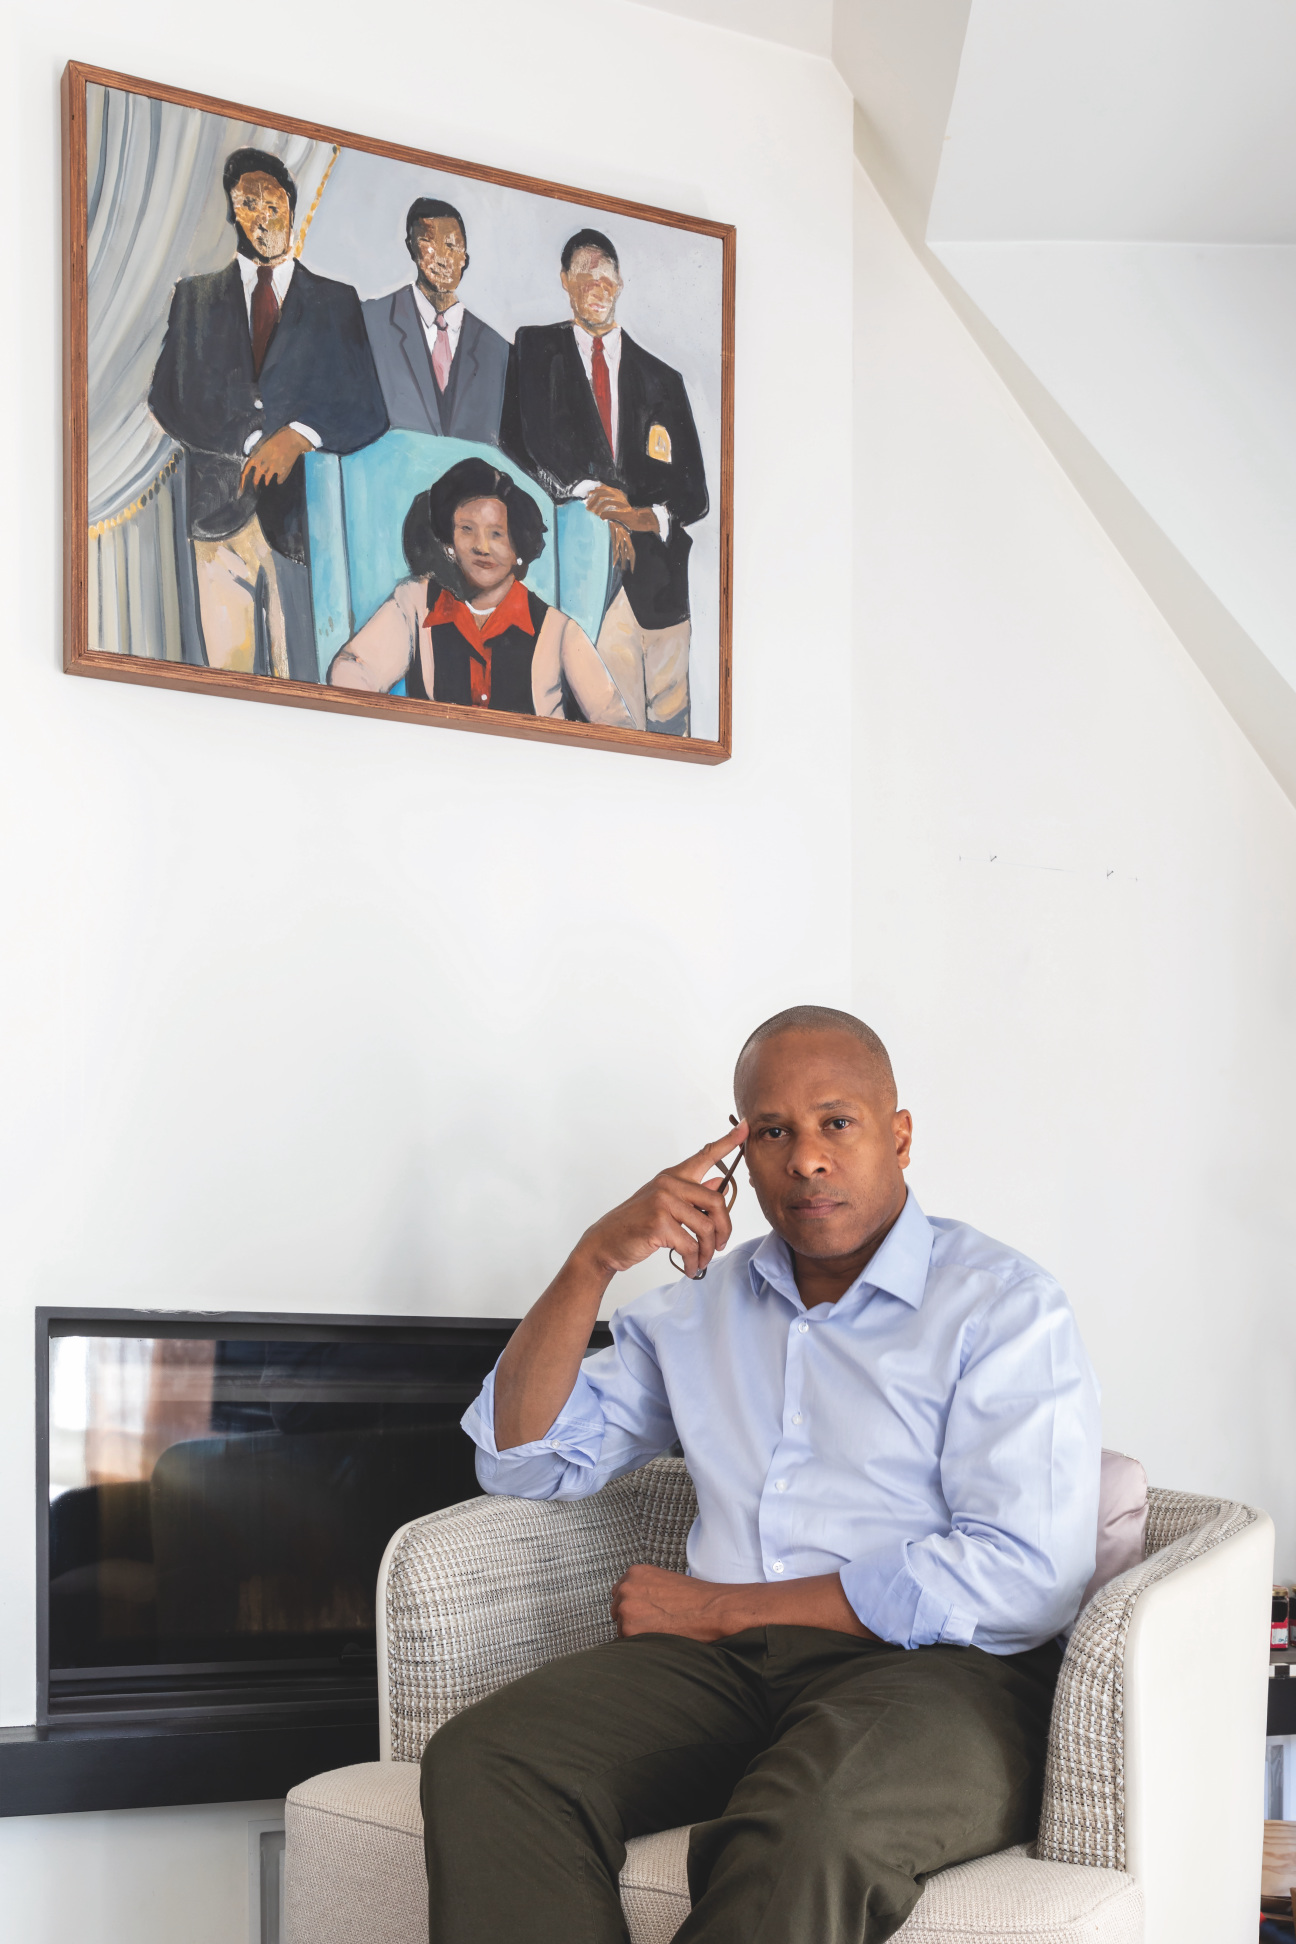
x=157 y=1764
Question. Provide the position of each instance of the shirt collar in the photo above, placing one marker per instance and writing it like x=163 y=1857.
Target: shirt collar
x=280 y=276
x=611 y=341
x=453 y=314
x=898 y=1265
x=514 y=611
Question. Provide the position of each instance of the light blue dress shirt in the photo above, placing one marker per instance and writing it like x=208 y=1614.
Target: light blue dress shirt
x=933 y=1435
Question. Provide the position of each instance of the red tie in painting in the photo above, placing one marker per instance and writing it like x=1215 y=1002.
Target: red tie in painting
x=603 y=391
x=265 y=315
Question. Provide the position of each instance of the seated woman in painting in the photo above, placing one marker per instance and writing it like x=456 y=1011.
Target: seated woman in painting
x=464 y=628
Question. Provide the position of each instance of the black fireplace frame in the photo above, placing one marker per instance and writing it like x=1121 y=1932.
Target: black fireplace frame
x=179 y=1746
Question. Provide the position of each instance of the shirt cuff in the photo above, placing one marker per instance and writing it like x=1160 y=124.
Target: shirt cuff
x=584 y=487
x=308 y=433
x=574 y=1438
x=896 y=1606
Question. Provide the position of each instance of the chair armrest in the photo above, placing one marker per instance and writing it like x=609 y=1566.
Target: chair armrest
x=479 y=1594
x=1156 y=1744
x=1196 y=1698
x=667 y=1507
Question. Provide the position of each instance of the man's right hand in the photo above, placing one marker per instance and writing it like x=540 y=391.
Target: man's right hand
x=678 y=1209
x=623 y=553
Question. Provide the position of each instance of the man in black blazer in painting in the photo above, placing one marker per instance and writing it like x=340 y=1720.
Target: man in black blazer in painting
x=594 y=416
x=441 y=369
x=262 y=361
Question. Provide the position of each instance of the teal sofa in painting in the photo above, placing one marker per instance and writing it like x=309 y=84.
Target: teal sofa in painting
x=356 y=507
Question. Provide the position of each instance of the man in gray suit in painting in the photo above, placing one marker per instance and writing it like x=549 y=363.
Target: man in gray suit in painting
x=441 y=369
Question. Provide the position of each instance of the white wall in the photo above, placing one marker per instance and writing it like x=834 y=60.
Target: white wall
x=339 y=1015
x=1076 y=907
x=150 y=1876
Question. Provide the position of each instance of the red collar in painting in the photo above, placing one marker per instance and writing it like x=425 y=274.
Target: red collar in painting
x=514 y=611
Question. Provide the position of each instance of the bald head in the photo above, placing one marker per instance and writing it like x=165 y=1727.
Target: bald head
x=821 y=1020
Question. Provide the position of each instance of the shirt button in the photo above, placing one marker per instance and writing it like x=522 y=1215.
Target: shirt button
x=780 y=1484
x=778 y=1565
x=796 y=1417
x=257 y=403
x=803 y=1327
x=553 y=1444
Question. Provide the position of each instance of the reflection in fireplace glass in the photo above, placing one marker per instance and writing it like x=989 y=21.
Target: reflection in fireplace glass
x=224 y=1501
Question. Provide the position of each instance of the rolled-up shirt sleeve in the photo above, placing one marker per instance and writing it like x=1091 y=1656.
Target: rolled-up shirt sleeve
x=1019 y=1470
x=616 y=1418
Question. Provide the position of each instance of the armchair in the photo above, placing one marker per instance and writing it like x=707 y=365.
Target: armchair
x=1151 y=1824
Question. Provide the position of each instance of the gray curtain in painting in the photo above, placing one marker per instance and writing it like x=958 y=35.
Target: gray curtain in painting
x=155 y=213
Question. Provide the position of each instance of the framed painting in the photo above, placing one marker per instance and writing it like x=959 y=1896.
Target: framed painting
x=353 y=427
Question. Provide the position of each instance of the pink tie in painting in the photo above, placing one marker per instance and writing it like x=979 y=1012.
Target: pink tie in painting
x=441 y=356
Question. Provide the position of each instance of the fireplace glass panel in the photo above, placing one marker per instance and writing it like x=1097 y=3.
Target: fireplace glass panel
x=223 y=1502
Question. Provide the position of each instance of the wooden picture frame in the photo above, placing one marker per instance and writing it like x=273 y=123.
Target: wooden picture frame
x=707 y=252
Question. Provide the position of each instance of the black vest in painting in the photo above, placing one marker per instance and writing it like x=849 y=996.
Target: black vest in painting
x=511 y=653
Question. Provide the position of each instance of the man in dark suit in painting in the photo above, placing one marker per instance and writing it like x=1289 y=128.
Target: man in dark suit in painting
x=441 y=369
x=262 y=361
x=594 y=416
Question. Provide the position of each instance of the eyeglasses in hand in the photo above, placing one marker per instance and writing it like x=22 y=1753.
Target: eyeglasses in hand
x=728 y=1195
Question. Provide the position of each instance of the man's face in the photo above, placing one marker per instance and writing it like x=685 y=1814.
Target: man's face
x=262 y=212
x=593 y=285
x=826 y=1151
x=440 y=253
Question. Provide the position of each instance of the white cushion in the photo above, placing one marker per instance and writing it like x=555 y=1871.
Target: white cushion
x=1008 y=1896
x=355 y=1876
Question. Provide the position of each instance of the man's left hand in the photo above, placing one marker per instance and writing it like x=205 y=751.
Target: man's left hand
x=651 y=1600
x=273 y=459
x=610 y=503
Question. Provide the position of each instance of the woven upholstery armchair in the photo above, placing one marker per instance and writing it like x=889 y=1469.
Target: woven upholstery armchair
x=1151 y=1825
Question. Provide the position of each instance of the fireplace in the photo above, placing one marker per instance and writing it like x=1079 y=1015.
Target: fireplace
x=215 y=1493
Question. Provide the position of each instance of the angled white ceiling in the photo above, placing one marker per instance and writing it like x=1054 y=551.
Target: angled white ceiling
x=1116 y=194
x=1149 y=120
x=900 y=59
x=1106 y=191
x=1178 y=362
x=806 y=24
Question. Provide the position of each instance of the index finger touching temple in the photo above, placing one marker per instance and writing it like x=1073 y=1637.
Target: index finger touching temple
x=698 y=1164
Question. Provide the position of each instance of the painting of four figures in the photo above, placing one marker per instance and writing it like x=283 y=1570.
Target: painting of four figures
x=563 y=463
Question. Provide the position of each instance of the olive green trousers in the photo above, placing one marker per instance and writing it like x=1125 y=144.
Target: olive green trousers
x=824 y=1776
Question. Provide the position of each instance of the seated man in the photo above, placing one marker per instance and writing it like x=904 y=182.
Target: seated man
x=893 y=1431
